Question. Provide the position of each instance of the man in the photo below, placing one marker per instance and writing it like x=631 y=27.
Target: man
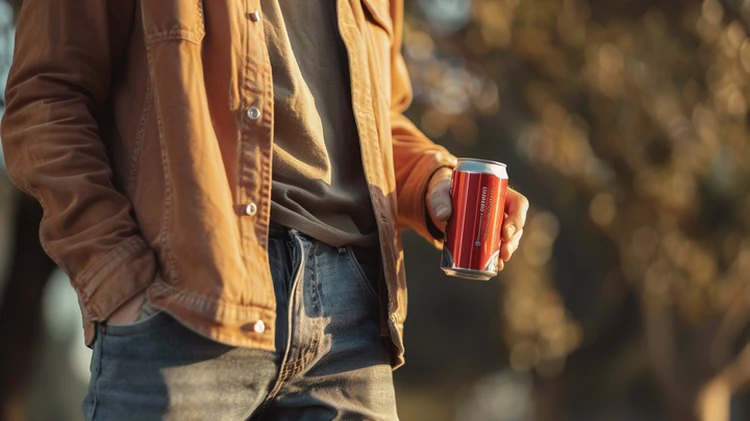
x=224 y=182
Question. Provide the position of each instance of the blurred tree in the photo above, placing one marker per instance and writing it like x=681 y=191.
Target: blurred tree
x=628 y=122
x=21 y=289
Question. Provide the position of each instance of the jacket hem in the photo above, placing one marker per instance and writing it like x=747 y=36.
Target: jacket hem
x=226 y=323
x=119 y=276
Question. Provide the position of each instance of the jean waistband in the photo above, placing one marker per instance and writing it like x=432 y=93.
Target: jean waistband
x=278 y=231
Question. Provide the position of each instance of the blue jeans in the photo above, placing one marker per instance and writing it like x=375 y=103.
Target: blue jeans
x=331 y=362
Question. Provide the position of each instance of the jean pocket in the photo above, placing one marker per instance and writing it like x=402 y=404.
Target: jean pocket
x=141 y=325
x=367 y=270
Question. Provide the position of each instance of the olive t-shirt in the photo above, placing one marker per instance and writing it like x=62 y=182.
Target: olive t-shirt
x=318 y=184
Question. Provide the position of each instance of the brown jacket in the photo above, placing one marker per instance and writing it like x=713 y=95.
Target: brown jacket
x=144 y=128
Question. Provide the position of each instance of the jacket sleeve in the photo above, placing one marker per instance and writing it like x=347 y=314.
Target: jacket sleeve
x=416 y=158
x=58 y=85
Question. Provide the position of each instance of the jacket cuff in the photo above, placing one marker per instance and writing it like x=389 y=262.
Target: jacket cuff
x=414 y=208
x=119 y=276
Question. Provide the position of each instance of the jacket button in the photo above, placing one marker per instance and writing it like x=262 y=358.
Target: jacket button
x=251 y=209
x=253 y=113
x=259 y=326
x=254 y=16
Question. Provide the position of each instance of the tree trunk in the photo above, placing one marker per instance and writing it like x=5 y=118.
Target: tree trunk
x=20 y=307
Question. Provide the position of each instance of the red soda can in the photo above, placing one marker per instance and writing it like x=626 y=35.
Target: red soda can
x=473 y=233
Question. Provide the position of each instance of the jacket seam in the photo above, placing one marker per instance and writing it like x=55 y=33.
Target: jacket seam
x=140 y=134
x=164 y=232
x=204 y=300
x=176 y=33
x=201 y=21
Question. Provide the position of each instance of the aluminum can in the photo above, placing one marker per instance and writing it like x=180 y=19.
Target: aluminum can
x=473 y=233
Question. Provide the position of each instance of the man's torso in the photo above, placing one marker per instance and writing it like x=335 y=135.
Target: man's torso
x=195 y=135
x=318 y=185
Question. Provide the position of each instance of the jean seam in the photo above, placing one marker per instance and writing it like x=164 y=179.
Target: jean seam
x=316 y=302
x=285 y=365
x=95 y=388
x=361 y=276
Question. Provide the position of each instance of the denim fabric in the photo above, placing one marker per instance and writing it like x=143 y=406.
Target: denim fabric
x=331 y=362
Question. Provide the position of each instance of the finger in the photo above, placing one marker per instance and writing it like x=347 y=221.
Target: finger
x=516 y=207
x=440 y=200
x=507 y=248
x=500 y=266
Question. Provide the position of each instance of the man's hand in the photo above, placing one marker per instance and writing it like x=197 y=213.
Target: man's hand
x=516 y=206
x=130 y=311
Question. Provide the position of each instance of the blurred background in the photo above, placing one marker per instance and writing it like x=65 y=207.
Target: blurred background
x=625 y=122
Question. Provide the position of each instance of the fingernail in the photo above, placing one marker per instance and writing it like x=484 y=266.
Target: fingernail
x=441 y=211
x=510 y=231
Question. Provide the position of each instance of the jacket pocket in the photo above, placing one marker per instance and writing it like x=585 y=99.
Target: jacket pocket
x=173 y=20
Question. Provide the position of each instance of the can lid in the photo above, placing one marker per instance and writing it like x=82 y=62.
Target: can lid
x=484 y=161
x=484 y=166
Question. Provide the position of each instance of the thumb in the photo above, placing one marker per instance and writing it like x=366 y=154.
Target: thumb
x=440 y=200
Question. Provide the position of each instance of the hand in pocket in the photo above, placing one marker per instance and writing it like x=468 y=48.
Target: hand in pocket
x=129 y=312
